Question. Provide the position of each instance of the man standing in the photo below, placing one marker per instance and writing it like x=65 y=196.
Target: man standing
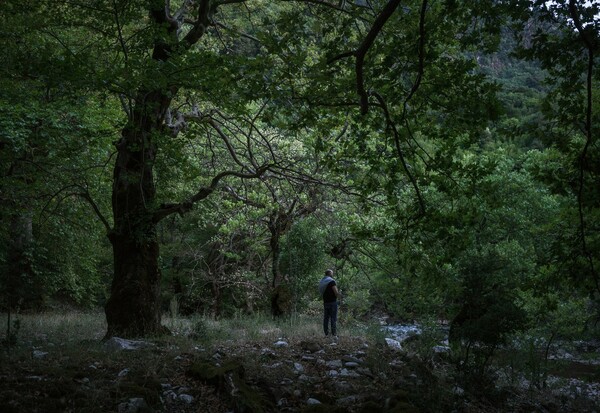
x=330 y=293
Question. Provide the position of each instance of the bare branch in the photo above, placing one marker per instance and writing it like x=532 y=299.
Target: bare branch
x=247 y=36
x=364 y=47
x=421 y=67
x=396 y=135
x=227 y=142
x=185 y=206
x=86 y=195
x=200 y=24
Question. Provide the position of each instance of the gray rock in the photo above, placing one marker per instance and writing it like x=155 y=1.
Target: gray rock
x=351 y=359
x=298 y=368
x=365 y=372
x=280 y=344
x=333 y=364
x=118 y=344
x=342 y=386
x=351 y=364
x=333 y=373
x=267 y=352
x=308 y=358
x=348 y=400
x=348 y=373
x=312 y=401
x=393 y=344
x=183 y=389
x=441 y=349
x=170 y=395
x=35 y=378
x=186 y=398
x=134 y=405
x=37 y=354
x=123 y=373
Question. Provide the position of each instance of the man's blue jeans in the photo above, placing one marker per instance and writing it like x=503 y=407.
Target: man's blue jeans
x=330 y=313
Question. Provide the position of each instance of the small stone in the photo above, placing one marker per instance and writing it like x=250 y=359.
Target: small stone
x=134 y=405
x=348 y=373
x=364 y=371
x=312 y=401
x=123 y=373
x=37 y=354
x=308 y=358
x=342 y=386
x=35 y=378
x=117 y=343
x=298 y=367
x=183 y=389
x=393 y=344
x=332 y=373
x=297 y=393
x=347 y=401
x=170 y=395
x=334 y=364
x=186 y=398
x=280 y=344
x=267 y=352
x=351 y=364
x=178 y=358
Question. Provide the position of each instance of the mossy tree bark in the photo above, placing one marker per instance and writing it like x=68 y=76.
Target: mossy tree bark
x=134 y=305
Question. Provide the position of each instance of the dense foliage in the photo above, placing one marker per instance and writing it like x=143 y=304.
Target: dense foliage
x=442 y=157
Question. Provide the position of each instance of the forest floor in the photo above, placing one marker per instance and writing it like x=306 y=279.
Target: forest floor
x=60 y=364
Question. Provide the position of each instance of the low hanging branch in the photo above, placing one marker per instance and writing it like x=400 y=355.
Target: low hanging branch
x=360 y=54
x=364 y=47
x=182 y=207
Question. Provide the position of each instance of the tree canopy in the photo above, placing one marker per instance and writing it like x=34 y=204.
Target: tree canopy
x=441 y=155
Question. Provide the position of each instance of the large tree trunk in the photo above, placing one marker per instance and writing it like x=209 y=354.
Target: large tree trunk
x=134 y=307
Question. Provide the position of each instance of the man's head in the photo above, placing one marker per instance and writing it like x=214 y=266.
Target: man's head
x=329 y=273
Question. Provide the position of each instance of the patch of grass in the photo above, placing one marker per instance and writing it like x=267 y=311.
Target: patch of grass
x=58 y=328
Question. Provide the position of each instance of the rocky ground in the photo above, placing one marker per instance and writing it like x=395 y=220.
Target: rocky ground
x=351 y=374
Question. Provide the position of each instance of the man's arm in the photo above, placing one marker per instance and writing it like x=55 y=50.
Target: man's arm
x=337 y=293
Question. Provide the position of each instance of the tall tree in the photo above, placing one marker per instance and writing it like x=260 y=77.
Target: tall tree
x=564 y=36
